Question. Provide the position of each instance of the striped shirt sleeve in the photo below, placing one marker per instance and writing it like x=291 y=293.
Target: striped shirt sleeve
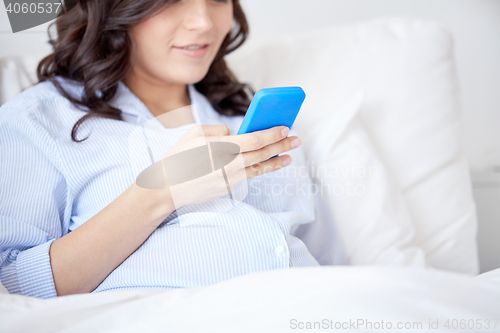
x=32 y=207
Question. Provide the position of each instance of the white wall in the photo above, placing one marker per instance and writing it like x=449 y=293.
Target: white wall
x=32 y=41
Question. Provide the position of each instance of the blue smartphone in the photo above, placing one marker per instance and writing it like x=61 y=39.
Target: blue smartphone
x=272 y=107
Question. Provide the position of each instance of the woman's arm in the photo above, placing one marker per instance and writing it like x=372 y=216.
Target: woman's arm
x=38 y=258
x=82 y=259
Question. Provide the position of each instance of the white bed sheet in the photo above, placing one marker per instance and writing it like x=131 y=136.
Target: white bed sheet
x=268 y=301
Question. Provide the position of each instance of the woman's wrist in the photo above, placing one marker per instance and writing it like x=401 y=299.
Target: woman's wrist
x=156 y=204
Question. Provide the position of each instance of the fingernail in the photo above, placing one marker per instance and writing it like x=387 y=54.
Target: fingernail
x=285 y=131
x=295 y=143
x=286 y=161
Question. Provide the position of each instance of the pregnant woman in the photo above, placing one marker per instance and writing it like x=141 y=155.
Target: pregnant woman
x=72 y=217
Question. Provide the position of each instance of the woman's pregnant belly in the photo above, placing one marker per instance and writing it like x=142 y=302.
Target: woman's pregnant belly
x=222 y=246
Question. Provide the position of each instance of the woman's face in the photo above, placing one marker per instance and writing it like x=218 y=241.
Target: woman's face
x=159 y=40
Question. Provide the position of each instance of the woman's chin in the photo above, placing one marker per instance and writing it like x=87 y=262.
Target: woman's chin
x=192 y=79
x=193 y=73
x=182 y=74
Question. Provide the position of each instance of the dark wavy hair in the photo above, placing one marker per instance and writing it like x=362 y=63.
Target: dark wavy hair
x=93 y=47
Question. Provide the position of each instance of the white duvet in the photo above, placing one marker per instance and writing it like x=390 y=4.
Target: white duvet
x=299 y=299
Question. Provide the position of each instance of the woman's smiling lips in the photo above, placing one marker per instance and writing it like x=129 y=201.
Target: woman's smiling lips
x=193 y=50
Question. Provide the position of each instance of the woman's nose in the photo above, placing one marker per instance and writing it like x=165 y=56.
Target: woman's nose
x=197 y=16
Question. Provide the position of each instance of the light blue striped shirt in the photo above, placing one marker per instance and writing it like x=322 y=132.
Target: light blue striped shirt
x=50 y=185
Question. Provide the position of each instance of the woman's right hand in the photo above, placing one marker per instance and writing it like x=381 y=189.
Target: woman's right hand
x=253 y=159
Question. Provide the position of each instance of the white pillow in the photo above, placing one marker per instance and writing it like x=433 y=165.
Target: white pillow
x=354 y=185
x=406 y=68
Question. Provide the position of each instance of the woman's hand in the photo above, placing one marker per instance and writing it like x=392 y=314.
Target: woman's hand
x=253 y=158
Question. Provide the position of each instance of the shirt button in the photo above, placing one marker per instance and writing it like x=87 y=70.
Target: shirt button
x=279 y=250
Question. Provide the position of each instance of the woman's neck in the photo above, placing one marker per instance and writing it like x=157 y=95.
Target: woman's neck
x=158 y=96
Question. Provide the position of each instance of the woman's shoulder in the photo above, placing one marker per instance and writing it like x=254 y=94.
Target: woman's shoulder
x=41 y=103
x=32 y=95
